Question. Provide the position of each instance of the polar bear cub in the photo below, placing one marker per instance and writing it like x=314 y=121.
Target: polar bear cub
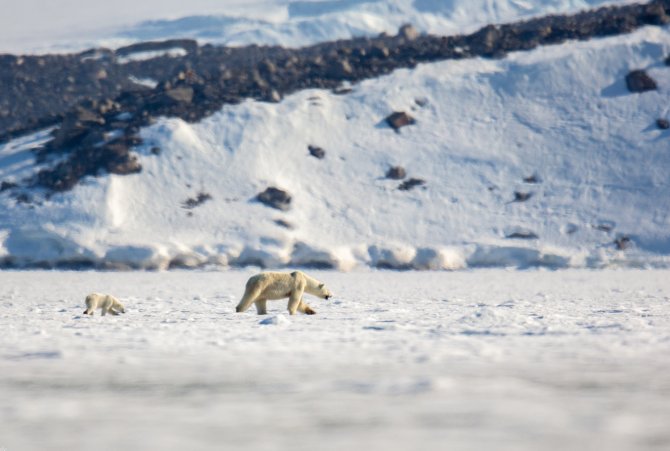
x=278 y=285
x=105 y=302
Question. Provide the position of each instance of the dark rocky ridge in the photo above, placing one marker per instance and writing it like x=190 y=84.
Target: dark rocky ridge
x=99 y=109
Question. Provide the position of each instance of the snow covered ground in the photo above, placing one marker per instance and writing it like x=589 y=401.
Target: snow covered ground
x=486 y=359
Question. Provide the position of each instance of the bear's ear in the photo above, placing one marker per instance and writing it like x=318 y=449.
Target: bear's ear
x=321 y=286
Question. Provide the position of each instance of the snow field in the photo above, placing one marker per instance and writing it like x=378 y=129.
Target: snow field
x=574 y=359
x=559 y=113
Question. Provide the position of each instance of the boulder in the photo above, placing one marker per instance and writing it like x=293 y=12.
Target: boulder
x=198 y=200
x=640 y=81
x=521 y=197
x=399 y=119
x=124 y=166
x=275 y=198
x=316 y=152
x=396 y=173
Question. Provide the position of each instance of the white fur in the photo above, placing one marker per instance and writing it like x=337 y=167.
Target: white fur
x=105 y=302
x=279 y=285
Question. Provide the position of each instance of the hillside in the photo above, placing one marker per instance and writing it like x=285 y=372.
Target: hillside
x=540 y=157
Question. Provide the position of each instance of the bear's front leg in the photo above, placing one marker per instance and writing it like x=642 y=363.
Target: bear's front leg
x=250 y=295
x=304 y=308
x=294 y=300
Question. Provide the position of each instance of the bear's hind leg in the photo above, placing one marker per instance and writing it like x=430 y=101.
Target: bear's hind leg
x=261 y=306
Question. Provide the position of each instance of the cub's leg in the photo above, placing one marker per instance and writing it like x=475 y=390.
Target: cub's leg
x=261 y=306
x=112 y=311
x=304 y=308
x=91 y=305
x=250 y=295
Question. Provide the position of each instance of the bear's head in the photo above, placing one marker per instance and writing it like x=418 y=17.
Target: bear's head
x=313 y=286
x=323 y=291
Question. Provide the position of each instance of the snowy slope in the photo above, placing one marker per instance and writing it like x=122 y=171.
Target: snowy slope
x=560 y=113
x=491 y=359
x=32 y=26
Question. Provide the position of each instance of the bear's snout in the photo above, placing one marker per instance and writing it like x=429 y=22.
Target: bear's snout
x=327 y=297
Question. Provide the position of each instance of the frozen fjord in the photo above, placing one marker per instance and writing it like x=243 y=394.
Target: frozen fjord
x=398 y=360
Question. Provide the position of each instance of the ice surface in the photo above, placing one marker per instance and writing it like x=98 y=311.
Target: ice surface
x=488 y=359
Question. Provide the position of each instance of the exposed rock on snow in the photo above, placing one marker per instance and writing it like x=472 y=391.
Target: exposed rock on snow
x=396 y=173
x=316 y=152
x=399 y=119
x=275 y=198
x=521 y=196
x=193 y=202
x=640 y=81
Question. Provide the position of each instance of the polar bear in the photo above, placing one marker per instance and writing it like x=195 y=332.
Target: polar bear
x=278 y=285
x=105 y=302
